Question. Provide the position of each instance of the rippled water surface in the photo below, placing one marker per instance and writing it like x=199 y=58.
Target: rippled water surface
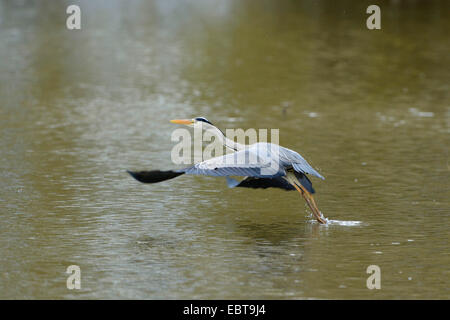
x=368 y=109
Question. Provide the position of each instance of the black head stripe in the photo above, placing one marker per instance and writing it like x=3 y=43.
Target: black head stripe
x=203 y=119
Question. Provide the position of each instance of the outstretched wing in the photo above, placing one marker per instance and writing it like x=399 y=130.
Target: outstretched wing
x=154 y=175
x=260 y=183
x=246 y=162
x=262 y=164
x=291 y=158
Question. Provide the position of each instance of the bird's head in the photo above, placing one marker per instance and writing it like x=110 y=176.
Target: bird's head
x=199 y=121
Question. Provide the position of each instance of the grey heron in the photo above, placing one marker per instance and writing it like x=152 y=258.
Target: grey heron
x=272 y=166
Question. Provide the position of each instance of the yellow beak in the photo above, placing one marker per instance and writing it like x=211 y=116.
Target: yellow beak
x=182 y=121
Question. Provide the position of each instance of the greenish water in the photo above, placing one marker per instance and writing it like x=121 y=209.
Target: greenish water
x=369 y=109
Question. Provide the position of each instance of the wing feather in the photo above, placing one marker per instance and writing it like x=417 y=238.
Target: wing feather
x=294 y=159
x=260 y=183
x=242 y=163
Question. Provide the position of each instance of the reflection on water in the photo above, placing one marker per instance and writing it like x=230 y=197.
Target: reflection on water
x=368 y=109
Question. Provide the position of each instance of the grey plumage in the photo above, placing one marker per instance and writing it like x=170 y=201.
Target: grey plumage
x=261 y=160
x=264 y=165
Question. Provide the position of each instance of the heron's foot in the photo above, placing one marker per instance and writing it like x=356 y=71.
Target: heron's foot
x=316 y=212
x=321 y=219
x=311 y=203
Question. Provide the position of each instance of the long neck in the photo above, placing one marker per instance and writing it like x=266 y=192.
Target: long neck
x=230 y=144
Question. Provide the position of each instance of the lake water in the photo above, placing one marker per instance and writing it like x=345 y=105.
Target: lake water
x=369 y=109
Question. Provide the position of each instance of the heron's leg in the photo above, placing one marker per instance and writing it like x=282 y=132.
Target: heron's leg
x=311 y=203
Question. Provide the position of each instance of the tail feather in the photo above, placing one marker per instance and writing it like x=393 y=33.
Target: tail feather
x=154 y=176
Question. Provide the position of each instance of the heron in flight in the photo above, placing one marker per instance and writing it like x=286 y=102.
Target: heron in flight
x=272 y=166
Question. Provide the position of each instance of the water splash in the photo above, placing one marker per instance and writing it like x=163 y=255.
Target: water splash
x=342 y=223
